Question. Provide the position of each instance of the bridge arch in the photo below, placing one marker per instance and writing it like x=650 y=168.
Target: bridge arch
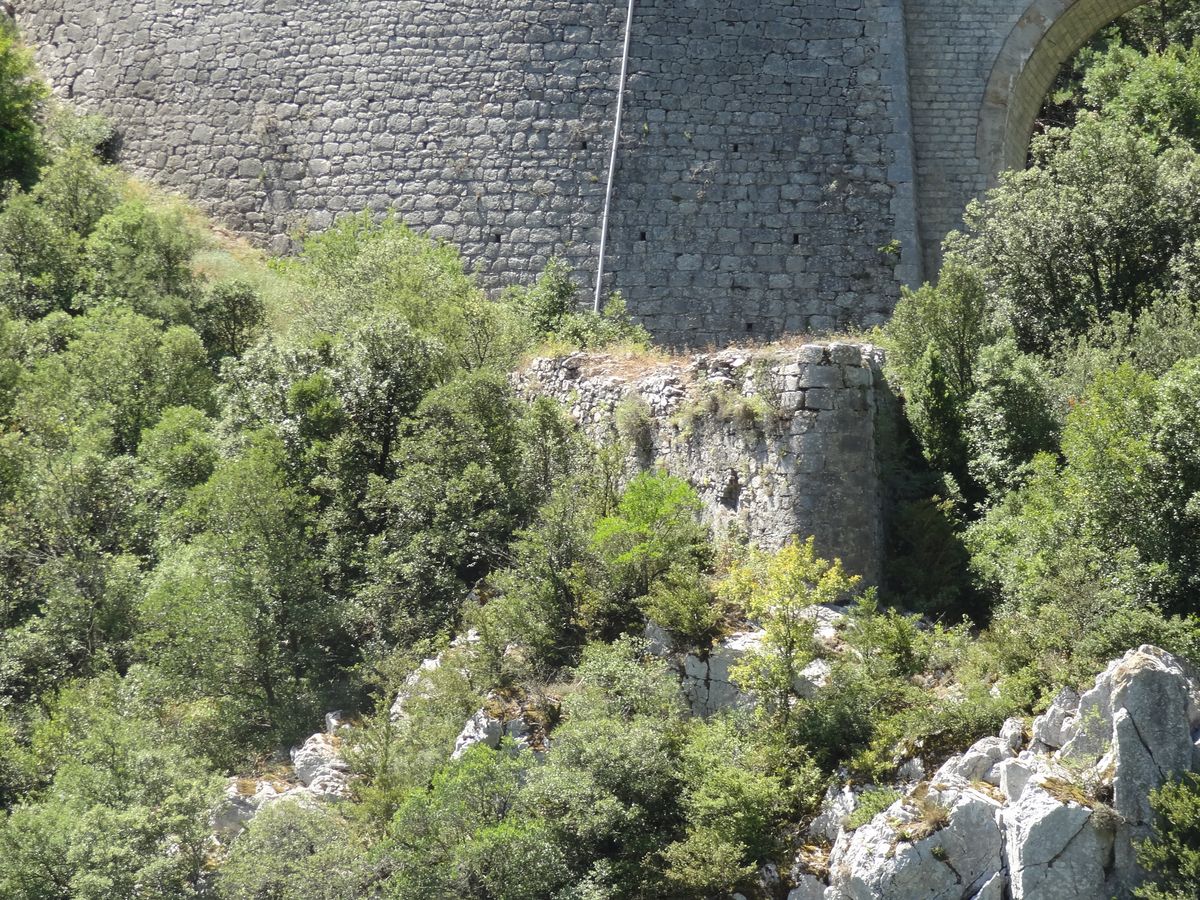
x=1047 y=35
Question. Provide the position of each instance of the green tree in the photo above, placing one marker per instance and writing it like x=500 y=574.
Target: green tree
x=608 y=794
x=38 y=260
x=655 y=528
x=22 y=95
x=229 y=317
x=779 y=589
x=463 y=837
x=1091 y=229
x=140 y=257
x=123 y=813
x=292 y=851
x=235 y=614
x=77 y=190
x=1009 y=419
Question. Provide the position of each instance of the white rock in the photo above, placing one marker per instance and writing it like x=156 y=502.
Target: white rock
x=910 y=771
x=417 y=683
x=876 y=863
x=1054 y=849
x=318 y=756
x=979 y=763
x=658 y=640
x=993 y=889
x=708 y=681
x=237 y=806
x=1049 y=729
x=837 y=807
x=1129 y=733
x=1015 y=774
x=710 y=687
x=481 y=728
x=1013 y=733
x=808 y=887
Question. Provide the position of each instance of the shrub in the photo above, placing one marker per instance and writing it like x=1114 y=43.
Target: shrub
x=1009 y=419
x=871 y=802
x=1172 y=855
x=654 y=529
x=140 y=257
x=39 y=261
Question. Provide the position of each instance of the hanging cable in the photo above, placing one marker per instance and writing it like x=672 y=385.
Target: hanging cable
x=612 y=160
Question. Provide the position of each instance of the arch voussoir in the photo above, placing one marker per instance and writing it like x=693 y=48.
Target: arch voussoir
x=1046 y=36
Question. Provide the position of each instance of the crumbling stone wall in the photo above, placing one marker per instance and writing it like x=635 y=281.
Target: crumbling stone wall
x=765 y=152
x=777 y=442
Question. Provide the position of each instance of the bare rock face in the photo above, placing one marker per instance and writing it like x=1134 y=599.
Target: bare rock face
x=942 y=843
x=481 y=728
x=1055 y=848
x=1057 y=820
x=808 y=887
x=320 y=767
x=499 y=719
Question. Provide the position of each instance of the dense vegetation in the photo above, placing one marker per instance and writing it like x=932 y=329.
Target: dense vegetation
x=233 y=497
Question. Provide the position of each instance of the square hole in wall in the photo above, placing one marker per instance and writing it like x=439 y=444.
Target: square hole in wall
x=749 y=327
x=737 y=147
x=642 y=236
x=583 y=145
x=495 y=239
x=795 y=240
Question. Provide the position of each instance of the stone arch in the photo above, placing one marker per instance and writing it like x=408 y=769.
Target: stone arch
x=1048 y=34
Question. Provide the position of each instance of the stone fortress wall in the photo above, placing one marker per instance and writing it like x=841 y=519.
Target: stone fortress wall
x=777 y=442
x=763 y=162
x=769 y=148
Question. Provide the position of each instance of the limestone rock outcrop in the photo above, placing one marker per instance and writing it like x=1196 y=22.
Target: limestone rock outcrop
x=419 y=682
x=319 y=773
x=1054 y=819
x=320 y=768
x=499 y=719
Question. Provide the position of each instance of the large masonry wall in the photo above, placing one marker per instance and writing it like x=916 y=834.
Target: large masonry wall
x=778 y=443
x=769 y=148
x=766 y=148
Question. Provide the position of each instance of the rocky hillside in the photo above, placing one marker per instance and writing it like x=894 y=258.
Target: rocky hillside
x=1047 y=810
x=1051 y=811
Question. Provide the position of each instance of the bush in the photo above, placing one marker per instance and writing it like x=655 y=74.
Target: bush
x=229 y=317
x=1172 y=855
x=653 y=530
x=1009 y=419
x=1057 y=256
x=294 y=852
x=778 y=589
x=39 y=261
x=870 y=803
